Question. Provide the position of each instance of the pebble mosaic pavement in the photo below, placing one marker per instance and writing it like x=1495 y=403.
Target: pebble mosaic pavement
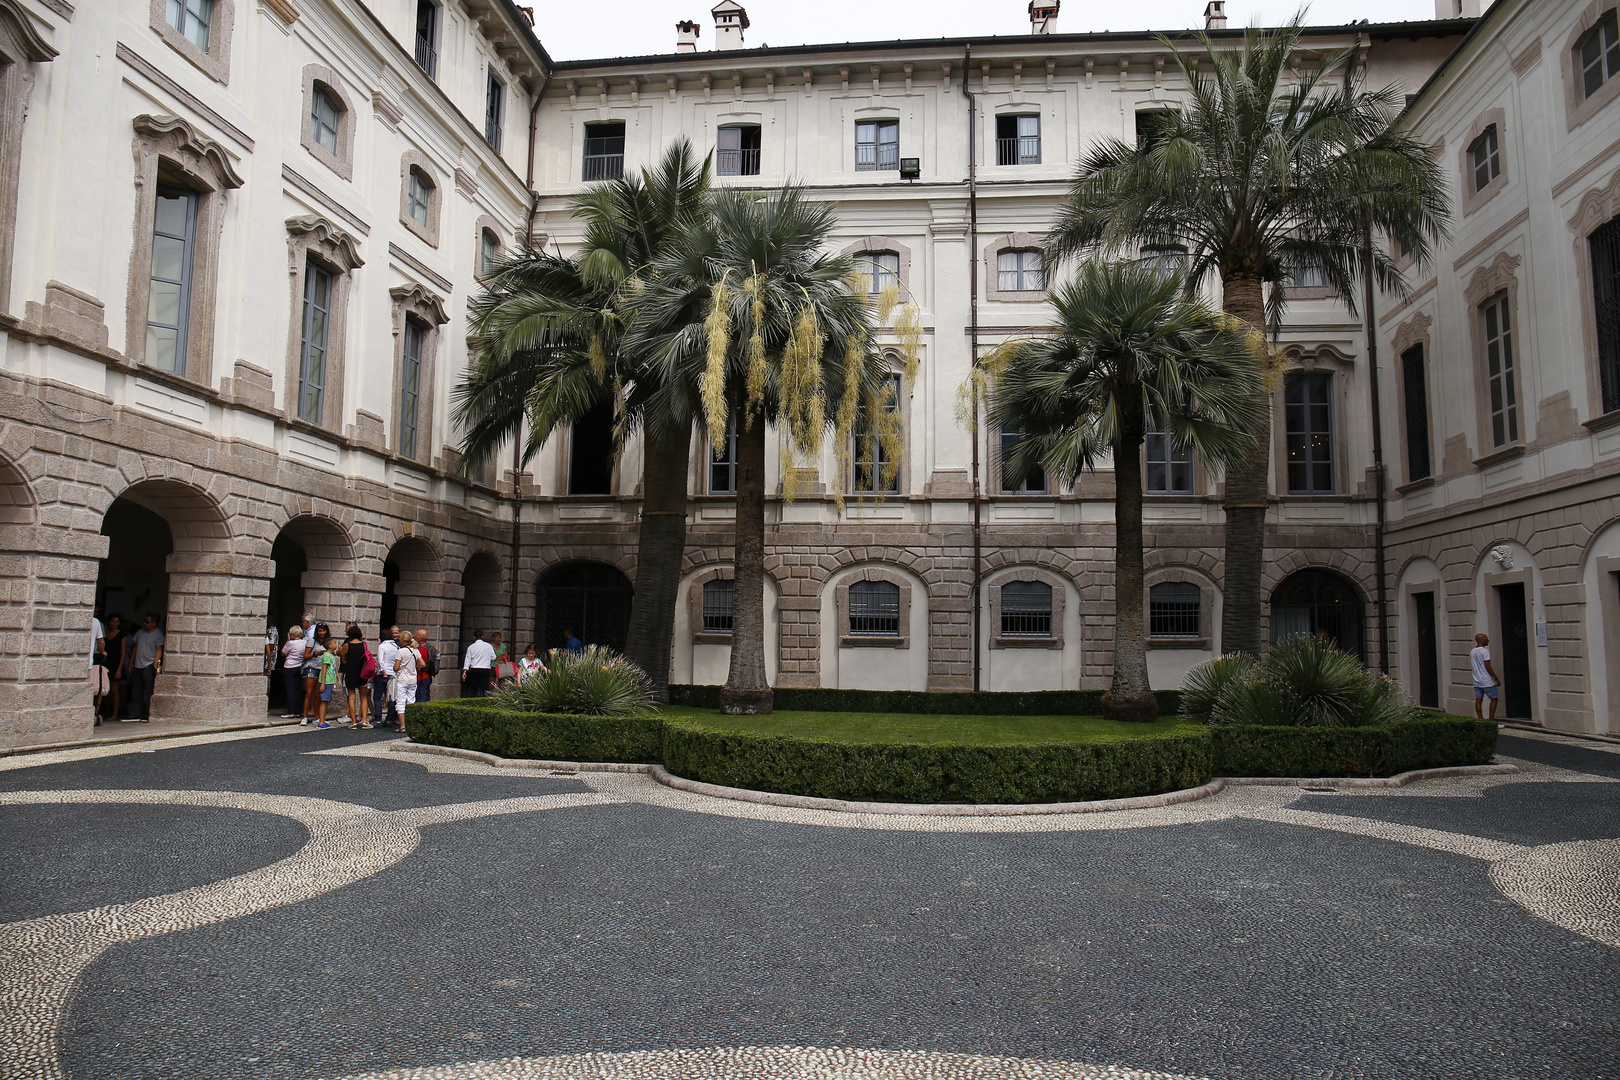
x=288 y=903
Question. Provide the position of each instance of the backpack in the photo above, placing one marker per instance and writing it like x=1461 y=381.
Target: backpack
x=432 y=656
x=368 y=668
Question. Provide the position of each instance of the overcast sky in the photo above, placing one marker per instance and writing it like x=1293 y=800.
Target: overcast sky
x=578 y=31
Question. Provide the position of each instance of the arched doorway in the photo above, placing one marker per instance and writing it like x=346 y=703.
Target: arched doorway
x=592 y=599
x=483 y=609
x=1319 y=602
x=415 y=594
x=134 y=578
x=314 y=574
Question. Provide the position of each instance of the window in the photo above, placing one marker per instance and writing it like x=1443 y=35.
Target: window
x=882 y=269
x=410 y=396
x=1026 y=609
x=168 y=305
x=1308 y=410
x=323 y=120
x=876 y=472
x=418 y=197
x=719 y=601
x=1169 y=471
x=1019 y=271
x=489 y=250
x=874 y=609
x=191 y=18
x=723 y=464
x=877 y=146
x=738 y=150
x=312 y=346
x=1018 y=140
x=1030 y=483
x=427 y=36
x=1605 y=244
x=1487 y=162
x=1175 y=609
x=1165 y=256
x=1599 y=54
x=590 y=452
x=1152 y=125
x=494 y=109
x=1499 y=375
x=1306 y=277
x=1414 y=384
x=604 y=151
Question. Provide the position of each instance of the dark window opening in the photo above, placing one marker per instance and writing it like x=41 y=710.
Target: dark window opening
x=1319 y=604
x=874 y=609
x=427 y=36
x=494 y=111
x=312 y=354
x=323 y=120
x=1308 y=406
x=1415 y=383
x=1032 y=482
x=590 y=452
x=604 y=151
x=1018 y=140
x=1175 y=610
x=410 y=395
x=719 y=602
x=723 y=463
x=1026 y=609
x=1153 y=126
x=1599 y=54
x=1605 y=244
x=737 y=152
x=1169 y=471
x=1499 y=374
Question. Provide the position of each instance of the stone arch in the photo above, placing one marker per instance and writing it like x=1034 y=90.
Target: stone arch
x=1012 y=662
x=701 y=657
x=590 y=596
x=329 y=584
x=897 y=661
x=1510 y=598
x=33 y=710
x=1600 y=589
x=417 y=594
x=1317 y=601
x=1421 y=637
x=485 y=604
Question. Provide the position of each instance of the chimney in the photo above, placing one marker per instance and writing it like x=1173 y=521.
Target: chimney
x=1215 y=15
x=686 y=35
x=1043 y=16
x=730 y=20
x=1457 y=9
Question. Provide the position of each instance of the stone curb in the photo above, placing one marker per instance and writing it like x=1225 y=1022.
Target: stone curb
x=145 y=736
x=845 y=806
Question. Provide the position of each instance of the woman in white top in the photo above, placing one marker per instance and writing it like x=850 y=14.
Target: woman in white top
x=405 y=663
x=292 y=663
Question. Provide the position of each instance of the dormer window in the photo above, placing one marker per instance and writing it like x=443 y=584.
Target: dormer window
x=1487 y=161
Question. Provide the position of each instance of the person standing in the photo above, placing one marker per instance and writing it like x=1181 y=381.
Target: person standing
x=476 y=666
x=356 y=680
x=406 y=663
x=272 y=650
x=292 y=671
x=99 y=683
x=117 y=650
x=314 y=645
x=427 y=668
x=1486 y=684
x=148 y=664
x=530 y=665
x=329 y=682
x=572 y=644
x=383 y=686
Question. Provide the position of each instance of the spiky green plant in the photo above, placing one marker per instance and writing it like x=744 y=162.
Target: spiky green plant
x=595 y=682
x=1302 y=682
x=1206 y=684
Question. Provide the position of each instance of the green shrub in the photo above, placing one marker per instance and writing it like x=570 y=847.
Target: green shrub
x=1302 y=682
x=492 y=729
x=937 y=702
x=1201 y=690
x=595 y=682
x=1384 y=750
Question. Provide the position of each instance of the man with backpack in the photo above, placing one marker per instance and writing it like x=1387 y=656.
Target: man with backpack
x=429 y=668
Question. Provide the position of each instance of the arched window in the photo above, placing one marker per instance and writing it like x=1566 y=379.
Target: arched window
x=419 y=197
x=719 y=602
x=324 y=112
x=1026 y=609
x=1175 y=610
x=1319 y=603
x=489 y=250
x=1487 y=161
x=874 y=609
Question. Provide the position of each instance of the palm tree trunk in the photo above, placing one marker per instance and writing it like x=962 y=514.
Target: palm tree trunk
x=659 y=546
x=1247 y=492
x=1129 y=697
x=748 y=690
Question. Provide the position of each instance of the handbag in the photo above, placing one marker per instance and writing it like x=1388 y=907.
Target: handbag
x=505 y=671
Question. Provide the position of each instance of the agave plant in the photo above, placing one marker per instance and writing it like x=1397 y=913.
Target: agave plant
x=1302 y=682
x=595 y=682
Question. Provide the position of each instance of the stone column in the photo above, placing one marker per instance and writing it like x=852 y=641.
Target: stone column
x=47 y=597
x=214 y=652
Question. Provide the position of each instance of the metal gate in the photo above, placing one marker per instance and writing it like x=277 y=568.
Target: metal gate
x=590 y=599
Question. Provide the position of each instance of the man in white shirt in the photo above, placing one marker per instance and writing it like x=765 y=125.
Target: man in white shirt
x=1485 y=680
x=382 y=687
x=476 y=665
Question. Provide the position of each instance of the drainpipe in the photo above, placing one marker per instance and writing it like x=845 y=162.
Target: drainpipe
x=517 y=441
x=528 y=182
x=973 y=346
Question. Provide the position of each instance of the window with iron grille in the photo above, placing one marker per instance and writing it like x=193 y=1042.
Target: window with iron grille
x=312 y=353
x=418 y=196
x=1169 y=471
x=882 y=269
x=1307 y=404
x=874 y=609
x=723 y=463
x=1487 y=161
x=323 y=120
x=174 y=240
x=1175 y=610
x=1018 y=140
x=877 y=146
x=1605 y=244
x=1501 y=391
x=719 y=601
x=876 y=472
x=737 y=150
x=494 y=111
x=192 y=18
x=427 y=36
x=1026 y=609
x=1599 y=54
x=604 y=151
x=1019 y=271
x=1032 y=482
x=410 y=397
x=1415 y=383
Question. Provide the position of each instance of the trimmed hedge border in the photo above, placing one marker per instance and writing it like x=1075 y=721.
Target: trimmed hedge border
x=485 y=727
x=1428 y=743
x=934 y=702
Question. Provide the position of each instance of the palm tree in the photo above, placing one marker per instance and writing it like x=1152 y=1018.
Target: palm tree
x=1265 y=170
x=750 y=321
x=550 y=348
x=1128 y=347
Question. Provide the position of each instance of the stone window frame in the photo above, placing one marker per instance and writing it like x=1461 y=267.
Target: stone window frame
x=1578 y=108
x=846 y=640
x=1060 y=595
x=1414 y=331
x=1013 y=242
x=902 y=477
x=1499 y=275
x=997 y=490
x=695 y=603
x=878 y=244
x=314 y=238
x=1161 y=575
x=413 y=301
x=1323 y=358
x=216 y=62
x=21 y=47
x=415 y=159
x=342 y=162
x=565 y=453
x=486 y=222
x=1597 y=207
x=174 y=145
x=1472 y=200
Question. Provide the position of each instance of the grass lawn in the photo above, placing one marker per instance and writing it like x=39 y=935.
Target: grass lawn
x=920 y=728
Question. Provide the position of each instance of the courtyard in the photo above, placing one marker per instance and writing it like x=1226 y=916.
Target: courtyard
x=322 y=905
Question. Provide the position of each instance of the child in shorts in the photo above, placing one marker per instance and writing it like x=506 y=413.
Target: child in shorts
x=329 y=678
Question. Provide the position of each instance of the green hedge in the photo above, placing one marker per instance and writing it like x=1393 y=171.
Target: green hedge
x=939 y=703
x=490 y=729
x=1365 y=751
